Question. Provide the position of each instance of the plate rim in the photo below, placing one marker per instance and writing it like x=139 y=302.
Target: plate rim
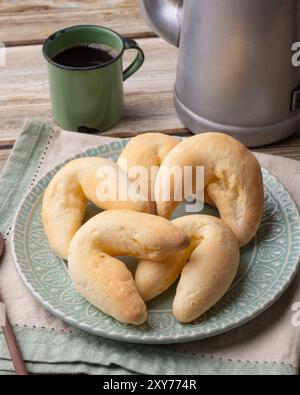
x=137 y=338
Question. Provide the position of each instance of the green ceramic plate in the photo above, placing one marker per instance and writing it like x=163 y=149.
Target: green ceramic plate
x=268 y=265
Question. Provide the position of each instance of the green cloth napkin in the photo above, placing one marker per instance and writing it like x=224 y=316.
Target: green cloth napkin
x=53 y=351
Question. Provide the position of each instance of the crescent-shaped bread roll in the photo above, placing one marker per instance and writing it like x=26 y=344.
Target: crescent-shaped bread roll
x=207 y=267
x=209 y=273
x=147 y=150
x=233 y=180
x=104 y=280
x=66 y=199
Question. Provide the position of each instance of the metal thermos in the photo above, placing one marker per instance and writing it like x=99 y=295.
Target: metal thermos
x=235 y=71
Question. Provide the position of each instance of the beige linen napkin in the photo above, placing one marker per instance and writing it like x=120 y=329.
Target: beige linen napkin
x=271 y=338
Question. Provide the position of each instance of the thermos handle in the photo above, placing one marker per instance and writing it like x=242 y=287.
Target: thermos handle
x=138 y=61
x=164 y=17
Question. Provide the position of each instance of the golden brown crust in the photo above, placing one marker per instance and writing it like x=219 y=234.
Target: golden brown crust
x=233 y=180
x=210 y=271
x=213 y=259
x=66 y=198
x=105 y=281
x=233 y=183
x=147 y=150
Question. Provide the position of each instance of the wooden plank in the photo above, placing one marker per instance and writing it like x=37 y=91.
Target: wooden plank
x=4 y=143
x=32 y=21
x=289 y=148
x=4 y=153
x=149 y=104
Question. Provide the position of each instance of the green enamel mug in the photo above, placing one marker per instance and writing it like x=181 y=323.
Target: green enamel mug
x=89 y=99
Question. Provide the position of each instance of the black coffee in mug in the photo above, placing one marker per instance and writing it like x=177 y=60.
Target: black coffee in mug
x=85 y=56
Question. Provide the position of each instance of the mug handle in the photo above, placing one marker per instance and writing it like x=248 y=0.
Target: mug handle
x=138 y=61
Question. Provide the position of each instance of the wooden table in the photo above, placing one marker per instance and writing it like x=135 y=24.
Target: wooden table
x=23 y=83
